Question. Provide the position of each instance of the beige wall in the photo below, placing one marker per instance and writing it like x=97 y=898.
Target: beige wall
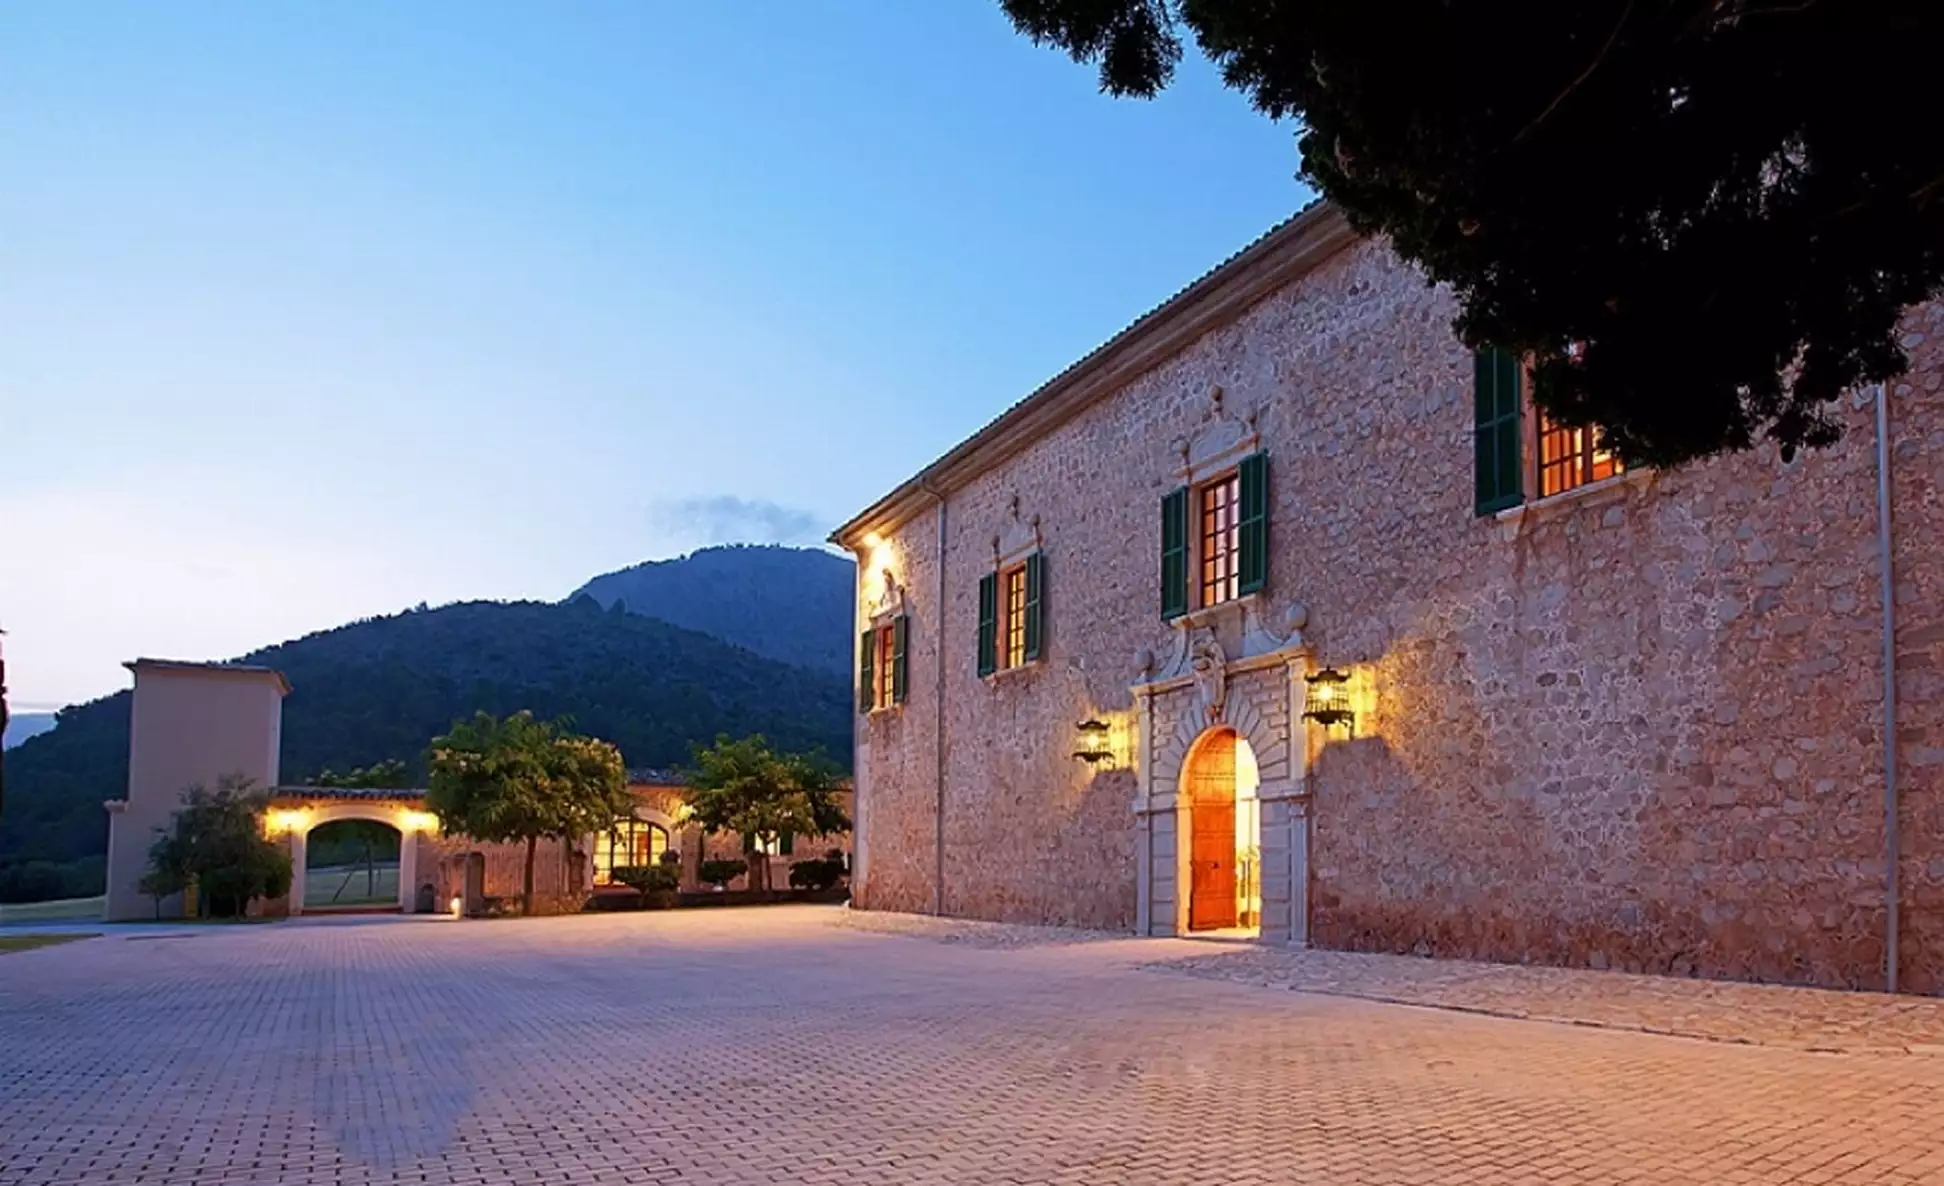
x=1639 y=726
x=187 y=725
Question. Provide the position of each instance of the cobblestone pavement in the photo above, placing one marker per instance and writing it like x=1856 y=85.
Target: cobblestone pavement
x=782 y=1045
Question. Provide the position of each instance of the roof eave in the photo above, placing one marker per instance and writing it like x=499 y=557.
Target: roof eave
x=1216 y=299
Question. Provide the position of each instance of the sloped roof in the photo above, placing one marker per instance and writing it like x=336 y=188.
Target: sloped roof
x=356 y=794
x=1220 y=295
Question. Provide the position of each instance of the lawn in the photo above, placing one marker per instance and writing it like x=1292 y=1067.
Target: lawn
x=65 y=910
x=12 y=943
x=350 y=885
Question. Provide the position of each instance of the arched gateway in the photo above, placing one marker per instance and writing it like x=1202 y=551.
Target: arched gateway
x=1222 y=807
x=296 y=813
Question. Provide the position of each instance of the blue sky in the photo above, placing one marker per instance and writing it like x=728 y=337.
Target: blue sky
x=310 y=312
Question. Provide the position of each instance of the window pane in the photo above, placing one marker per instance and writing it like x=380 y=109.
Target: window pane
x=1220 y=507
x=1015 y=616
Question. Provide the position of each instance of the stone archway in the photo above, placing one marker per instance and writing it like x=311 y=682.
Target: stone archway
x=1254 y=699
x=297 y=813
x=351 y=864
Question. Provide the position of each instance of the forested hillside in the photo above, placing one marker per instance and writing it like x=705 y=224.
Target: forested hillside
x=382 y=688
x=792 y=604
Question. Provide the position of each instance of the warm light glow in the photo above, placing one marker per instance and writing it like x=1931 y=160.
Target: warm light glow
x=458 y=905
x=282 y=820
x=872 y=541
x=417 y=821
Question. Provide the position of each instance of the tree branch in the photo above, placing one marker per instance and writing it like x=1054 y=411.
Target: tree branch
x=1583 y=75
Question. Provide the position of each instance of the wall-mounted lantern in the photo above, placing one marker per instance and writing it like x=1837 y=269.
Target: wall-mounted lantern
x=1327 y=702
x=1091 y=745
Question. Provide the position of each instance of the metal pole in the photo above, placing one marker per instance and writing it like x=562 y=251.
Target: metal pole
x=1891 y=890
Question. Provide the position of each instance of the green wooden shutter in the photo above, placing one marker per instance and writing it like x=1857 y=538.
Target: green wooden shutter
x=1496 y=461
x=1035 y=604
x=988 y=623
x=786 y=843
x=1252 y=528
x=900 y=635
x=866 y=669
x=1174 y=553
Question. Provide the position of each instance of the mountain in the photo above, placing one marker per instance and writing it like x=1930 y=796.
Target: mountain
x=790 y=604
x=384 y=687
x=22 y=725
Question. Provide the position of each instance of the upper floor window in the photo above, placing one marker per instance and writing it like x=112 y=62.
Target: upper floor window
x=881 y=664
x=1220 y=539
x=1012 y=614
x=1562 y=458
x=1228 y=548
x=1571 y=457
x=1015 y=615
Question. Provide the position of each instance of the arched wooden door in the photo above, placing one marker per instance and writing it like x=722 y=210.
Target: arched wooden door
x=1209 y=784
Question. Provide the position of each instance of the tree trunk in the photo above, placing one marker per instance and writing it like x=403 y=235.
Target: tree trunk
x=526 y=885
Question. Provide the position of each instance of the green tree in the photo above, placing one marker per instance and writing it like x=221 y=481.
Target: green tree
x=743 y=786
x=216 y=842
x=1701 y=218
x=517 y=779
x=387 y=775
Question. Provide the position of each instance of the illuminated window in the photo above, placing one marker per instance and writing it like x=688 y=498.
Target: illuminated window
x=1221 y=504
x=881 y=664
x=1015 y=579
x=630 y=843
x=882 y=693
x=1572 y=457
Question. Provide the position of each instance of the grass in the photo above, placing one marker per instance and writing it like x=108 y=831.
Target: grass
x=65 y=910
x=349 y=885
x=13 y=943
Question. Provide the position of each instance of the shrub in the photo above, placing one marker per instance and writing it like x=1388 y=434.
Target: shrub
x=817 y=875
x=650 y=879
x=721 y=873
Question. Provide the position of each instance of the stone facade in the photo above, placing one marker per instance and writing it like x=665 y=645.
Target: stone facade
x=1638 y=725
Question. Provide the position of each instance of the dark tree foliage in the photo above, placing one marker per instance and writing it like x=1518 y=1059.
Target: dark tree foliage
x=1702 y=218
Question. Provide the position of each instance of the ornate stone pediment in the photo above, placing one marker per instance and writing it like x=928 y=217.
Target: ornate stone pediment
x=1018 y=538
x=890 y=600
x=1218 y=444
x=1241 y=621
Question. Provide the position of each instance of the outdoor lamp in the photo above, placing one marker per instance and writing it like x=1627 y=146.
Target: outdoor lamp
x=1092 y=747
x=1328 y=700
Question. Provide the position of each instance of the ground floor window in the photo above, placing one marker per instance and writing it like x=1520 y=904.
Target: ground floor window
x=632 y=842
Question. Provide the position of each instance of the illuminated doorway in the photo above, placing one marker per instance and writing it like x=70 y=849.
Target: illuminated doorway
x=1219 y=784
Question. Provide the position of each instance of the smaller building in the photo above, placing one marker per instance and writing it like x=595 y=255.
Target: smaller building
x=196 y=723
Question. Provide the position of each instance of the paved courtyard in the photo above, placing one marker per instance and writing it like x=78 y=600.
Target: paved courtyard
x=801 y=1045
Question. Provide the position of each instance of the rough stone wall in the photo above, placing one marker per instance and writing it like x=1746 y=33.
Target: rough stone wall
x=1637 y=726
x=559 y=881
x=1917 y=563
x=895 y=754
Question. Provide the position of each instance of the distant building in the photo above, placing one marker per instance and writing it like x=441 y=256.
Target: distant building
x=1585 y=716
x=195 y=723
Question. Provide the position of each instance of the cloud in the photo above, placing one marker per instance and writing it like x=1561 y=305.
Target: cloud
x=727 y=519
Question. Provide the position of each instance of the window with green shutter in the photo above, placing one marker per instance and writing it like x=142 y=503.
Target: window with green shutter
x=786 y=843
x=988 y=623
x=900 y=637
x=1497 y=464
x=1035 y=607
x=1252 y=524
x=1174 y=553
x=866 y=684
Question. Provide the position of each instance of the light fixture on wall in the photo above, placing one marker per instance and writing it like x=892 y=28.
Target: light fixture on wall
x=1327 y=701
x=1092 y=746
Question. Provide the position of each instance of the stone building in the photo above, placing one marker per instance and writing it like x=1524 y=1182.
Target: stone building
x=1584 y=716
x=197 y=723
